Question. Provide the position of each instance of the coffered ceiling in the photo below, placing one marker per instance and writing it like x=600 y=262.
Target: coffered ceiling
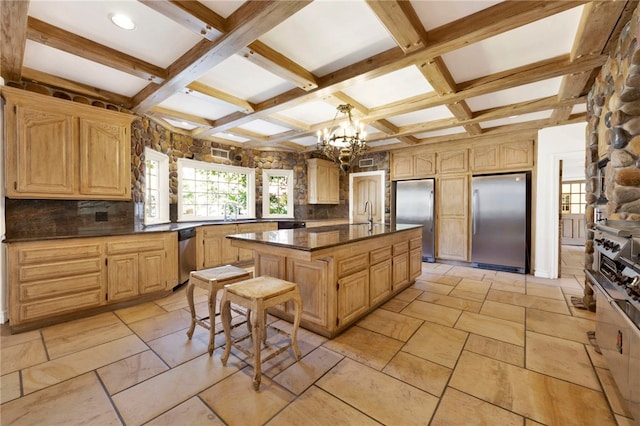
x=271 y=73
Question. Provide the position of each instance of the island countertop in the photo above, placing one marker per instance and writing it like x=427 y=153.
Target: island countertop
x=323 y=237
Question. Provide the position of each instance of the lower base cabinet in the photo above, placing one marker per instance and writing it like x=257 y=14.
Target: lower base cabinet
x=51 y=279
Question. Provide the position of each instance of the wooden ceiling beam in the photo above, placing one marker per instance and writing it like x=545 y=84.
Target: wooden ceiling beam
x=180 y=116
x=13 y=38
x=402 y=22
x=245 y=25
x=66 y=41
x=205 y=91
x=192 y=15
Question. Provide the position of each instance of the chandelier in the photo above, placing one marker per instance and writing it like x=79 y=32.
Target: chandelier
x=346 y=144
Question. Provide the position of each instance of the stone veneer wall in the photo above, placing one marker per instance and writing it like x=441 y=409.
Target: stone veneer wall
x=613 y=127
x=59 y=217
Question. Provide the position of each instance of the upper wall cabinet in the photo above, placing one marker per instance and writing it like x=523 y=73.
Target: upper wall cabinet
x=323 y=181
x=502 y=156
x=416 y=165
x=453 y=161
x=58 y=149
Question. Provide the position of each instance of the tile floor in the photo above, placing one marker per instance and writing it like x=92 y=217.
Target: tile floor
x=460 y=347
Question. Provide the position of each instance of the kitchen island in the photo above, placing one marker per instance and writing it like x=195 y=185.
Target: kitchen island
x=343 y=271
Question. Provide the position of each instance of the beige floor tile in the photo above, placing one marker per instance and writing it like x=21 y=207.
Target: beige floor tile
x=139 y=312
x=395 y=305
x=9 y=387
x=145 y=401
x=436 y=343
x=382 y=397
x=432 y=312
x=597 y=359
x=625 y=421
x=468 y=272
x=68 y=366
x=529 y=422
x=408 y=294
x=527 y=301
x=298 y=377
x=452 y=302
x=561 y=359
x=423 y=374
x=367 y=347
x=158 y=326
x=176 y=348
x=316 y=406
x=235 y=401
x=178 y=299
x=511 y=287
x=432 y=287
x=22 y=355
x=440 y=279
x=473 y=286
x=80 y=401
x=469 y=295
x=542 y=290
x=457 y=408
x=391 y=324
x=617 y=402
x=563 y=326
x=192 y=412
x=130 y=371
x=530 y=394
x=7 y=339
x=73 y=336
x=501 y=351
x=495 y=328
x=503 y=311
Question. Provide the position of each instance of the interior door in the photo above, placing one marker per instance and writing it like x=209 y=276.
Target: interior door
x=367 y=187
x=572 y=229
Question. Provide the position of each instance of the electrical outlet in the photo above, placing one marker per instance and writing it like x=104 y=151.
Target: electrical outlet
x=102 y=216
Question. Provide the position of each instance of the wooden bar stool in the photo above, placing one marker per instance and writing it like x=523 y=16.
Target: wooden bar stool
x=212 y=280
x=257 y=295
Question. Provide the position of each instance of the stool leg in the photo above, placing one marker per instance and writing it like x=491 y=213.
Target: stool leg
x=212 y=320
x=192 y=308
x=297 y=301
x=257 y=326
x=225 y=315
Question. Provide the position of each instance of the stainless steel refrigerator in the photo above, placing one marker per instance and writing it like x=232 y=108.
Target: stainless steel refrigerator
x=414 y=204
x=500 y=222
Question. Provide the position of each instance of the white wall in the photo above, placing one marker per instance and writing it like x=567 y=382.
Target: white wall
x=566 y=143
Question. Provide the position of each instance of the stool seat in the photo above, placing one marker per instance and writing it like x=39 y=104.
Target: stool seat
x=257 y=295
x=212 y=280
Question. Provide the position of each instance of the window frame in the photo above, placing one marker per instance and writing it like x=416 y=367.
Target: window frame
x=571 y=196
x=195 y=164
x=163 y=186
x=266 y=174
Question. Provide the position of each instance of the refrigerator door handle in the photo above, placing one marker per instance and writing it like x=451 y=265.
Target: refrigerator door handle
x=474 y=209
x=430 y=210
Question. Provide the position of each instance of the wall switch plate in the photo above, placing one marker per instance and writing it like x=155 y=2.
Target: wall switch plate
x=102 y=216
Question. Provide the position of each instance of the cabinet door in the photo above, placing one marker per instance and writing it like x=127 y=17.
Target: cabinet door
x=122 y=277
x=323 y=182
x=517 y=154
x=152 y=271
x=105 y=161
x=452 y=228
x=485 y=158
x=424 y=165
x=453 y=161
x=379 y=281
x=353 y=296
x=45 y=149
x=312 y=279
x=415 y=264
x=452 y=238
x=245 y=255
x=402 y=166
x=216 y=248
x=400 y=271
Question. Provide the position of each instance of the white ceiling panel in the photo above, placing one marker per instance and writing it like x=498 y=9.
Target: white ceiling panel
x=442 y=132
x=540 y=89
x=91 y=19
x=223 y=8
x=243 y=79
x=424 y=115
x=579 y=108
x=389 y=88
x=180 y=124
x=265 y=128
x=306 y=141
x=328 y=35
x=231 y=137
x=311 y=112
x=198 y=106
x=516 y=119
x=65 y=65
x=434 y=14
x=543 y=39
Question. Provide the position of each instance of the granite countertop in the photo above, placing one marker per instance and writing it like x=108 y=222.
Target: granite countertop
x=322 y=237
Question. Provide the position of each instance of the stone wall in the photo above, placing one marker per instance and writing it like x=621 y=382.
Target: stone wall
x=613 y=134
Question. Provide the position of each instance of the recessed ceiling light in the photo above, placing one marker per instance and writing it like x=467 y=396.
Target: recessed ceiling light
x=122 y=21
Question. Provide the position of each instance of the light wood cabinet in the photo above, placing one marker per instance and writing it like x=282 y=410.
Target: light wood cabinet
x=379 y=281
x=415 y=258
x=323 y=182
x=409 y=166
x=502 y=156
x=51 y=280
x=400 y=265
x=451 y=223
x=312 y=280
x=453 y=161
x=62 y=149
x=353 y=296
x=213 y=248
x=245 y=255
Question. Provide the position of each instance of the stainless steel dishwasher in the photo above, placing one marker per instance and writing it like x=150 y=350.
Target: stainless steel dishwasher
x=186 y=253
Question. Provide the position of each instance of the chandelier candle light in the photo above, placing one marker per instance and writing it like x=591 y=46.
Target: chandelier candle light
x=346 y=144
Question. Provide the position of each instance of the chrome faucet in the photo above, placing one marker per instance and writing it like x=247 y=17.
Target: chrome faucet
x=367 y=208
x=226 y=208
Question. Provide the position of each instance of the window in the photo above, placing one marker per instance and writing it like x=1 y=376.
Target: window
x=573 y=198
x=214 y=191
x=277 y=193
x=156 y=192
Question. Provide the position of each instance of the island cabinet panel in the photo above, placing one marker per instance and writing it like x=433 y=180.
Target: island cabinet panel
x=313 y=282
x=271 y=265
x=415 y=258
x=50 y=281
x=353 y=296
x=379 y=281
x=58 y=149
